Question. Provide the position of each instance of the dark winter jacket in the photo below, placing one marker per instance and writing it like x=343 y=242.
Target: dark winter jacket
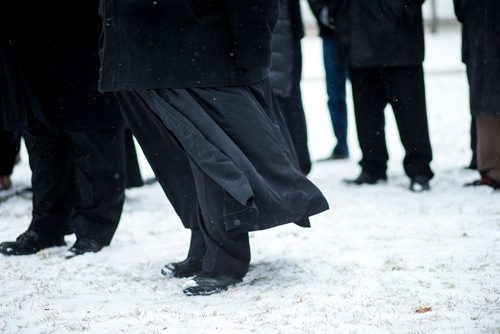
x=373 y=33
x=287 y=34
x=56 y=46
x=185 y=43
x=481 y=52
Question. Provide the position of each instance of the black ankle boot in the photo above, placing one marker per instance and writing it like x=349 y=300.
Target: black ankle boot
x=193 y=264
x=30 y=242
x=82 y=246
x=208 y=284
x=187 y=268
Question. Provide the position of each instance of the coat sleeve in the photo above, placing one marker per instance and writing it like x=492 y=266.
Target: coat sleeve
x=252 y=23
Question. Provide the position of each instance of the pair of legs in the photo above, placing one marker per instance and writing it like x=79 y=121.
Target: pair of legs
x=226 y=164
x=403 y=88
x=9 y=149
x=78 y=181
x=196 y=198
x=336 y=77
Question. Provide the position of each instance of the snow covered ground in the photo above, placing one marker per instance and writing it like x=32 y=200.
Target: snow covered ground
x=371 y=264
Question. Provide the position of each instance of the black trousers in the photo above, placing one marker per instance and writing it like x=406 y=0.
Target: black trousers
x=196 y=198
x=293 y=111
x=9 y=148
x=404 y=89
x=78 y=180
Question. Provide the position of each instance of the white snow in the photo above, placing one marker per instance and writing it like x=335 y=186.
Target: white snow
x=379 y=255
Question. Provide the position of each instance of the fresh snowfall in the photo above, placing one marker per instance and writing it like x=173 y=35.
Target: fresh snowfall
x=382 y=260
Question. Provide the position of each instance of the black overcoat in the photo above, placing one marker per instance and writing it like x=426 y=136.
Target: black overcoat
x=56 y=45
x=371 y=33
x=185 y=43
x=481 y=52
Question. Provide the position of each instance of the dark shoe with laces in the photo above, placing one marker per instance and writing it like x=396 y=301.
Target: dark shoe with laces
x=30 y=242
x=366 y=178
x=208 y=284
x=82 y=246
x=187 y=268
x=419 y=184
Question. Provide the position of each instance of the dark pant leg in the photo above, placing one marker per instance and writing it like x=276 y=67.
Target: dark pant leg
x=52 y=180
x=473 y=143
x=9 y=148
x=99 y=164
x=165 y=155
x=226 y=253
x=369 y=104
x=293 y=111
x=134 y=177
x=336 y=77
x=406 y=92
x=488 y=147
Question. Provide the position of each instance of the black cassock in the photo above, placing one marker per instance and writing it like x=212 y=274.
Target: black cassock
x=206 y=118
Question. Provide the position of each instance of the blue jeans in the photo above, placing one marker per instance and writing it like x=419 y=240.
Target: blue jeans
x=336 y=76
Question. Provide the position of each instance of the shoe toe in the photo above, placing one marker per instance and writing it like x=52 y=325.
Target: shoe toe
x=204 y=286
x=83 y=246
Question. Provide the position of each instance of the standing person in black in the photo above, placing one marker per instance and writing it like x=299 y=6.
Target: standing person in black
x=192 y=78
x=74 y=135
x=286 y=73
x=481 y=54
x=383 y=43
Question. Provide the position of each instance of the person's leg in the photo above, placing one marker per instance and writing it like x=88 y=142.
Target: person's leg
x=99 y=163
x=9 y=148
x=173 y=171
x=406 y=91
x=488 y=149
x=293 y=112
x=369 y=104
x=336 y=76
x=227 y=255
x=52 y=183
x=473 y=143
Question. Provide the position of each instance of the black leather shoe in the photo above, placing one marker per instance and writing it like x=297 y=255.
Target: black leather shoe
x=419 y=184
x=187 y=268
x=366 y=178
x=82 y=246
x=335 y=156
x=204 y=285
x=30 y=242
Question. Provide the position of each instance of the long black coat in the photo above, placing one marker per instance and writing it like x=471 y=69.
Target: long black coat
x=185 y=43
x=56 y=46
x=481 y=52
x=373 y=33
